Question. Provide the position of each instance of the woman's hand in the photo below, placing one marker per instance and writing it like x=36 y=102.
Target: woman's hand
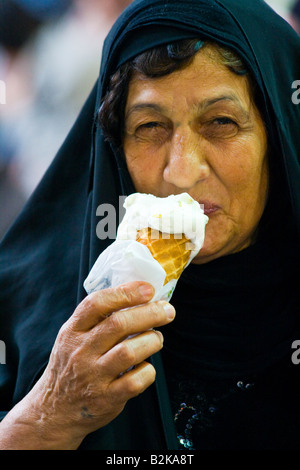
x=87 y=382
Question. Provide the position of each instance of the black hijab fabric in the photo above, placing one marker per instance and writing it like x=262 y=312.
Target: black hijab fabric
x=47 y=254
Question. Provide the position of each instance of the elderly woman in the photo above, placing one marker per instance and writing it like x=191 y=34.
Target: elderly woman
x=194 y=96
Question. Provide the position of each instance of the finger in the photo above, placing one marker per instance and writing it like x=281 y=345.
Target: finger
x=133 y=383
x=124 y=323
x=98 y=305
x=129 y=353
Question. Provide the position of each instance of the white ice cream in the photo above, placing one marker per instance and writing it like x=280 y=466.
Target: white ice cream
x=127 y=260
x=176 y=214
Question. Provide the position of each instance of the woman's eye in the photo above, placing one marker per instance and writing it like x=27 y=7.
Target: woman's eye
x=223 y=121
x=149 y=125
x=221 y=127
x=152 y=131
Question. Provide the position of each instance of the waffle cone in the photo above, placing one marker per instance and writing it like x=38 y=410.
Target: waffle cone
x=171 y=253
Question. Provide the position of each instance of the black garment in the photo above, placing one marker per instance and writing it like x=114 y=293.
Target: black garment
x=242 y=322
x=232 y=382
x=56 y=232
x=246 y=412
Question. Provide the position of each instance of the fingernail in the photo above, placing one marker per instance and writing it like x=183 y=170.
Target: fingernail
x=160 y=336
x=170 y=311
x=146 y=290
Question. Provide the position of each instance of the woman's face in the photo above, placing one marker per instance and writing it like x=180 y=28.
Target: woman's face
x=198 y=131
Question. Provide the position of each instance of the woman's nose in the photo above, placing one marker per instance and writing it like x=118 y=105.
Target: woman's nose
x=186 y=163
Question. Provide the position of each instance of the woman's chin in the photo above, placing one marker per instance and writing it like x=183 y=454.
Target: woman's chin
x=217 y=243
x=205 y=255
x=215 y=248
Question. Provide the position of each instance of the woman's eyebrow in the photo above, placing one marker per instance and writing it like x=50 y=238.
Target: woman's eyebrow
x=141 y=106
x=211 y=101
x=202 y=106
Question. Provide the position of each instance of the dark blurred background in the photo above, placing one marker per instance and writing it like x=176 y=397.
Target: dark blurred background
x=50 y=53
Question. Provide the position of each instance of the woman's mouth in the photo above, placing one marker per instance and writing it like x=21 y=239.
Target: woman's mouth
x=209 y=207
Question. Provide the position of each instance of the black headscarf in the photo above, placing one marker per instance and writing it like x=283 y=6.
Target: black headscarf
x=47 y=254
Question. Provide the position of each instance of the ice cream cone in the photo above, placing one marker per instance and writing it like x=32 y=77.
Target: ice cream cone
x=171 y=251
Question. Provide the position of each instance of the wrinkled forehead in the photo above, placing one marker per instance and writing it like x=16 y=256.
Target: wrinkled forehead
x=148 y=24
x=162 y=32
x=195 y=64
